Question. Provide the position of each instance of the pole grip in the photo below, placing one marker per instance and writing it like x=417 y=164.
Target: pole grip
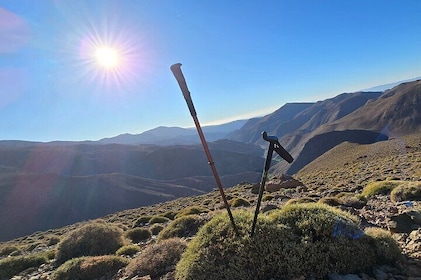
x=278 y=147
x=178 y=74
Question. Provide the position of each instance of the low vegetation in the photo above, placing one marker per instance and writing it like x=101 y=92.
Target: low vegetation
x=406 y=191
x=92 y=239
x=156 y=229
x=138 y=234
x=156 y=259
x=13 y=265
x=87 y=268
x=193 y=210
x=184 y=226
x=300 y=239
x=158 y=220
x=141 y=221
x=239 y=202
x=128 y=250
x=380 y=187
x=351 y=200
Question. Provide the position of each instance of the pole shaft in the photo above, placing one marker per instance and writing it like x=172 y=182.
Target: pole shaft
x=214 y=172
x=262 y=186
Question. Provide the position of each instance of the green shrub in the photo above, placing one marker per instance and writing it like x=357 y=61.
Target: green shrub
x=207 y=201
x=217 y=252
x=330 y=200
x=379 y=187
x=193 y=210
x=170 y=215
x=184 y=226
x=158 y=220
x=156 y=229
x=155 y=259
x=93 y=239
x=6 y=250
x=53 y=240
x=50 y=254
x=268 y=197
x=239 y=201
x=310 y=240
x=138 y=234
x=86 y=268
x=300 y=200
x=141 y=221
x=128 y=250
x=14 y=265
x=352 y=200
x=386 y=248
x=315 y=221
x=406 y=191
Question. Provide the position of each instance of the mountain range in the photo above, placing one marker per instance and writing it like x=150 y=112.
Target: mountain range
x=47 y=185
x=167 y=136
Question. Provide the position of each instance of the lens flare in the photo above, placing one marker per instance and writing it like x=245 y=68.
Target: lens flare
x=112 y=60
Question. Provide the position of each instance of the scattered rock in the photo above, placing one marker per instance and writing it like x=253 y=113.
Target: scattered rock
x=269 y=207
x=270 y=187
x=404 y=222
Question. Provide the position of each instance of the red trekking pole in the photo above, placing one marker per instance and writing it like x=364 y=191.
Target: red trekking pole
x=176 y=70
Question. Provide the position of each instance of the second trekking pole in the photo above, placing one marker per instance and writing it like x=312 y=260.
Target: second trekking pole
x=273 y=146
x=176 y=69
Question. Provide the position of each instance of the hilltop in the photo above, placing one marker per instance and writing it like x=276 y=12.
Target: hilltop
x=340 y=175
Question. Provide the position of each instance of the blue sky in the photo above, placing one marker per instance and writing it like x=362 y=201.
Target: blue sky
x=240 y=59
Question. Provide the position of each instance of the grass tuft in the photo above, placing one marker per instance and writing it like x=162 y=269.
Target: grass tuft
x=406 y=191
x=86 y=268
x=184 y=226
x=156 y=258
x=379 y=187
x=138 y=234
x=11 y=266
x=92 y=239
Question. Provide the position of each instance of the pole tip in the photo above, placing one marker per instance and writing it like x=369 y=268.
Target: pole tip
x=175 y=66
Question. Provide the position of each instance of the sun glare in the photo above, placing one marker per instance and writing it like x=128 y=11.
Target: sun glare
x=107 y=57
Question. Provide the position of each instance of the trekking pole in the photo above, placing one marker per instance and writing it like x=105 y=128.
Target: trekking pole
x=176 y=69
x=273 y=146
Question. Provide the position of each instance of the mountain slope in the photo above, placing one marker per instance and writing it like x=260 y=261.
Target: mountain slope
x=283 y=117
x=43 y=201
x=397 y=111
x=294 y=123
x=46 y=185
x=149 y=161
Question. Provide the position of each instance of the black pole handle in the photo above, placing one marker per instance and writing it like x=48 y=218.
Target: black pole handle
x=278 y=148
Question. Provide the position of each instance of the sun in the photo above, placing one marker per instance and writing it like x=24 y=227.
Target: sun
x=111 y=58
x=107 y=57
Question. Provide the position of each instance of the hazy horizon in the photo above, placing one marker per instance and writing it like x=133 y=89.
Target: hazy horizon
x=87 y=70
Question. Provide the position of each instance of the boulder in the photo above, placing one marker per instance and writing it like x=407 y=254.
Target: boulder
x=405 y=222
